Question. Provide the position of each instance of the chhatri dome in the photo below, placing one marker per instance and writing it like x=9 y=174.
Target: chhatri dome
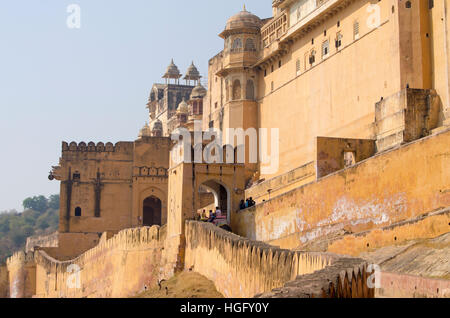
x=183 y=107
x=243 y=20
x=198 y=92
x=172 y=71
x=192 y=73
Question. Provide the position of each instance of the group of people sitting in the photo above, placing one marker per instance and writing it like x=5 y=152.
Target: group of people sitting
x=247 y=203
x=212 y=215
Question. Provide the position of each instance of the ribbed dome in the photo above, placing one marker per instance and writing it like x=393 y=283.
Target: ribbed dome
x=192 y=73
x=172 y=71
x=183 y=107
x=198 y=92
x=243 y=19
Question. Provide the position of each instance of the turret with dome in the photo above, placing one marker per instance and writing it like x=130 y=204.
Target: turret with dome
x=241 y=21
x=239 y=77
x=171 y=104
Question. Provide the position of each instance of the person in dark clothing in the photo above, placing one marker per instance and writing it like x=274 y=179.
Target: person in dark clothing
x=212 y=216
x=242 y=205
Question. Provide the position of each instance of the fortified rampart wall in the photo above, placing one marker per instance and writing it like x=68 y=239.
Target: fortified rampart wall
x=344 y=278
x=391 y=187
x=122 y=266
x=118 y=151
x=41 y=241
x=240 y=267
x=119 y=267
x=21 y=275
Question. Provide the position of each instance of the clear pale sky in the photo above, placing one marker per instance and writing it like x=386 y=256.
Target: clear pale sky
x=90 y=84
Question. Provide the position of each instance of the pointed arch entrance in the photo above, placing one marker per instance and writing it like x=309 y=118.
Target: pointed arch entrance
x=152 y=211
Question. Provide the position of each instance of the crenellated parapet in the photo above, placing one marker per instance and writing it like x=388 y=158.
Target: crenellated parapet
x=99 y=147
x=22 y=275
x=18 y=258
x=345 y=278
x=241 y=267
x=122 y=266
x=125 y=240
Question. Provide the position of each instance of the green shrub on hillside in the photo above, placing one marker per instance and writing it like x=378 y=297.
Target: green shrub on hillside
x=40 y=217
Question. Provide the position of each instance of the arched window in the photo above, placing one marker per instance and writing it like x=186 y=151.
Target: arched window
x=250 y=45
x=77 y=211
x=237 y=45
x=236 y=90
x=250 y=90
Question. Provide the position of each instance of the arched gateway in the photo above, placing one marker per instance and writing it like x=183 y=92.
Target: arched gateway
x=152 y=210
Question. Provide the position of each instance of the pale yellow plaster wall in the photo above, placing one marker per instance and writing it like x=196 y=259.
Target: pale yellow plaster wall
x=391 y=187
x=440 y=46
x=336 y=96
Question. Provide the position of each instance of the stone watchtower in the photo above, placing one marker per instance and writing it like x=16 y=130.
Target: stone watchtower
x=242 y=37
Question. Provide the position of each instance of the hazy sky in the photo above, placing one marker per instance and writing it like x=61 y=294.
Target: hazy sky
x=92 y=83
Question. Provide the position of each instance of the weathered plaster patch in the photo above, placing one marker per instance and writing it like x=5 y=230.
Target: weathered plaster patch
x=320 y=232
x=279 y=226
x=347 y=210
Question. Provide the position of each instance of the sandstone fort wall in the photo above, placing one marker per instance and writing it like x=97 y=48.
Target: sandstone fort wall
x=392 y=187
x=240 y=267
x=122 y=266
x=408 y=286
x=41 y=241
x=119 y=267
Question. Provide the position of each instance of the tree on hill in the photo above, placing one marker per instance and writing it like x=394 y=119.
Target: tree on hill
x=40 y=217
